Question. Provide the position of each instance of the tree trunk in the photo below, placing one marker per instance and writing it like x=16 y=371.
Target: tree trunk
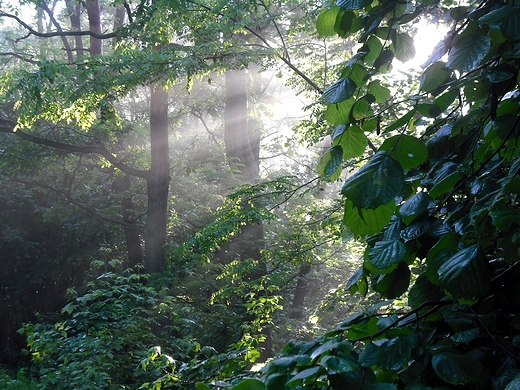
x=132 y=238
x=94 y=21
x=237 y=138
x=74 y=11
x=157 y=183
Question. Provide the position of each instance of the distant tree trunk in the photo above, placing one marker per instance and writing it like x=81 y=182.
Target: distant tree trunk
x=74 y=11
x=158 y=182
x=237 y=137
x=242 y=150
x=119 y=17
x=94 y=21
x=132 y=238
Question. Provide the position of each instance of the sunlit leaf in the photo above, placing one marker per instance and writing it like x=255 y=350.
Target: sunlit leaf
x=363 y=222
x=329 y=166
x=409 y=151
x=326 y=21
x=352 y=4
x=404 y=47
x=339 y=113
x=353 y=142
x=380 y=93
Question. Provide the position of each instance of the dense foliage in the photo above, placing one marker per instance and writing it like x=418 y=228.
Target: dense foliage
x=431 y=192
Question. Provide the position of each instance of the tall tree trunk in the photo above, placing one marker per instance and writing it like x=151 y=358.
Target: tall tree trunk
x=94 y=21
x=132 y=238
x=74 y=11
x=157 y=183
x=242 y=150
x=236 y=132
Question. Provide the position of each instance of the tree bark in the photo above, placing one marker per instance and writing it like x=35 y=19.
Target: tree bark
x=158 y=182
x=94 y=21
x=74 y=11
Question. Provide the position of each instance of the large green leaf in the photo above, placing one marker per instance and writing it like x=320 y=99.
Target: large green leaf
x=363 y=222
x=339 y=113
x=337 y=364
x=455 y=368
x=466 y=275
x=376 y=183
x=468 y=51
x=339 y=91
x=409 y=151
x=249 y=384
x=404 y=48
x=506 y=18
x=514 y=384
x=352 y=140
x=380 y=93
x=326 y=21
x=306 y=376
x=416 y=205
x=386 y=255
x=396 y=353
x=434 y=76
x=329 y=166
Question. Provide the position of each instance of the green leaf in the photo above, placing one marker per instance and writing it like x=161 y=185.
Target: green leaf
x=466 y=275
x=466 y=336
x=416 y=205
x=445 y=179
x=339 y=113
x=380 y=93
x=326 y=347
x=339 y=91
x=202 y=386
x=374 y=47
x=422 y=291
x=249 y=384
x=352 y=140
x=401 y=121
x=344 y=23
x=276 y=381
x=363 y=222
x=376 y=183
x=395 y=353
x=506 y=18
x=386 y=255
x=468 y=51
x=404 y=48
x=306 y=376
x=326 y=22
x=329 y=166
x=337 y=364
x=393 y=284
x=504 y=218
x=456 y=369
x=416 y=230
x=409 y=151
x=434 y=76
x=370 y=355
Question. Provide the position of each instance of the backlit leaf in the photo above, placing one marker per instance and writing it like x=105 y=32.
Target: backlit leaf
x=339 y=113
x=353 y=142
x=329 y=166
x=363 y=222
x=409 y=151
x=404 y=48
x=380 y=93
x=326 y=21
x=434 y=76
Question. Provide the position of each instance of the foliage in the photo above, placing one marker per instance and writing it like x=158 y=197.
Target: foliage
x=436 y=205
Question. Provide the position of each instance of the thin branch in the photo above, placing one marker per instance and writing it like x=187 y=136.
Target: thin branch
x=19 y=56
x=8 y=126
x=56 y=33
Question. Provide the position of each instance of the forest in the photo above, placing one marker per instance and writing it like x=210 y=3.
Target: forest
x=259 y=194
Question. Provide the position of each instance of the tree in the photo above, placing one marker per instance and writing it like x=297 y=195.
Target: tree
x=436 y=204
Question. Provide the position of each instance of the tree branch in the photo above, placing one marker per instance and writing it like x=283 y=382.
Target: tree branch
x=57 y=33
x=8 y=126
